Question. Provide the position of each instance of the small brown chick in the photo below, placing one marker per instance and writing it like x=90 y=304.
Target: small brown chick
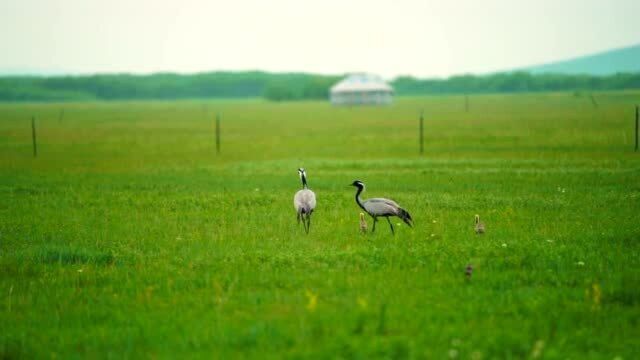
x=479 y=226
x=363 y=224
x=468 y=270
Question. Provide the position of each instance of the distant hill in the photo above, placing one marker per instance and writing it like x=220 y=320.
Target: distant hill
x=625 y=60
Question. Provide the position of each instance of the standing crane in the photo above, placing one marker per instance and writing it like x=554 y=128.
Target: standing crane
x=304 y=202
x=381 y=207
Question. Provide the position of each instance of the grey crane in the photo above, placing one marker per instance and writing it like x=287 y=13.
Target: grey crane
x=381 y=207
x=304 y=202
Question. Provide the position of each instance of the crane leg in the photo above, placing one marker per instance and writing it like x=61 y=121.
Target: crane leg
x=308 y=222
x=375 y=220
x=391 y=226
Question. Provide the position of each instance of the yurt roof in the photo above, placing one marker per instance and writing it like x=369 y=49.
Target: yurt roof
x=360 y=83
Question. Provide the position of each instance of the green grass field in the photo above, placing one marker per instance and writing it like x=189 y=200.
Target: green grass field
x=128 y=237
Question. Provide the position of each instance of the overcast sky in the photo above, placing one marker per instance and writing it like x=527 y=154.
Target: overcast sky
x=421 y=38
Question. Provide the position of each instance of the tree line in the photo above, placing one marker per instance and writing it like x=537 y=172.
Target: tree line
x=282 y=86
x=515 y=82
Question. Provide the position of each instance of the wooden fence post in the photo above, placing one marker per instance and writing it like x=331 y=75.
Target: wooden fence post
x=637 y=120
x=593 y=101
x=33 y=136
x=218 y=133
x=421 y=135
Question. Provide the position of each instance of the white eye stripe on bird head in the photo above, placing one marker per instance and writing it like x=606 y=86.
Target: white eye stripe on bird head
x=358 y=183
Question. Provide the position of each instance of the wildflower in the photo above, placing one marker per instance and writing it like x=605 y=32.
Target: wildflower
x=312 y=301
x=537 y=349
x=362 y=302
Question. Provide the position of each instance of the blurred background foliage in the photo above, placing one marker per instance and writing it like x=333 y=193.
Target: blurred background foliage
x=283 y=86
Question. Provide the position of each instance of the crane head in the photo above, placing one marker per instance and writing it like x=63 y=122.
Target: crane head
x=358 y=184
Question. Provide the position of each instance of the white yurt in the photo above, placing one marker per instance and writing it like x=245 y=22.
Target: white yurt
x=361 y=89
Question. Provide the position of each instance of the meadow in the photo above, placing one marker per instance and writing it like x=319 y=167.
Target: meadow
x=129 y=237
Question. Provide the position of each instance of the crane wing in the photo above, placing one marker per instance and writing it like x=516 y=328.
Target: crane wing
x=304 y=201
x=381 y=206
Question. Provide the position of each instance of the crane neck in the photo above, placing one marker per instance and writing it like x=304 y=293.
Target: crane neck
x=358 y=198
x=304 y=181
